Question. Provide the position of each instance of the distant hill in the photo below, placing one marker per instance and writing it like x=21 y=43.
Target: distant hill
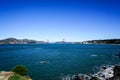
x=19 y=41
x=106 y=41
x=29 y=41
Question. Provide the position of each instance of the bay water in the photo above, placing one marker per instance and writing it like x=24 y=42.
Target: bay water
x=60 y=59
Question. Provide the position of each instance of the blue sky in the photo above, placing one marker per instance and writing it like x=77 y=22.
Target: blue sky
x=74 y=20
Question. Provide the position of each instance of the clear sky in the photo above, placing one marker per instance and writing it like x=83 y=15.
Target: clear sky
x=74 y=20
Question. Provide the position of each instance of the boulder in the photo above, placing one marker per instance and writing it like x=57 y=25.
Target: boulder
x=116 y=71
x=78 y=77
x=94 y=78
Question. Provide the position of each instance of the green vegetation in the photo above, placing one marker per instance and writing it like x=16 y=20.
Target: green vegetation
x=19 y=69
x=17 y=77
x=106 y=41
x=20 y=72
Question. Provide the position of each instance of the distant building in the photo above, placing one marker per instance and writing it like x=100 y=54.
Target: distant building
x=47 y=41
x=63 y=40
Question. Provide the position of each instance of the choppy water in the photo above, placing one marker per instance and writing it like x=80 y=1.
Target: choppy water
x=62 y=59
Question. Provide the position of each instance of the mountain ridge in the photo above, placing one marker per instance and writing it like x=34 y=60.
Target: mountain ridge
x=19 y=41
x=31 y=41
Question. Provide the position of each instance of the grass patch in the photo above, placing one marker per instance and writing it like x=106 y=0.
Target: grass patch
x=17 y=77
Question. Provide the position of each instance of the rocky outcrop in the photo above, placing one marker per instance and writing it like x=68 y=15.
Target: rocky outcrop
x=116 y=71
x=106 y=73
x=5 y=75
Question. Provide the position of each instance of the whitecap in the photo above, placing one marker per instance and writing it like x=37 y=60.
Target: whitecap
x=93 y=55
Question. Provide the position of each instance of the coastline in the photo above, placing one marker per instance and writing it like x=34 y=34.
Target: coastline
x=110 y=72
x=31 y=41
x=4 y=75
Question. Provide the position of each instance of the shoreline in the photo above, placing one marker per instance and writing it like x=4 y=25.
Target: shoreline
x=4 y=75
x=110 y=72
x=60 y=44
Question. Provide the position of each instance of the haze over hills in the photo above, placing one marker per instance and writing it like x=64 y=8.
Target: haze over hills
x=19 y=41
x=30 y=41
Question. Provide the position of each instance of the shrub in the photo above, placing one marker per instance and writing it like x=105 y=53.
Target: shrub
x=16 y=77
x=19 y=69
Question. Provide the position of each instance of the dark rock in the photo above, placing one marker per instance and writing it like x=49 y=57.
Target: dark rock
x=77 y=77
x=112 y=78
x=116 y=71
x=94 y=78
x=103 y=67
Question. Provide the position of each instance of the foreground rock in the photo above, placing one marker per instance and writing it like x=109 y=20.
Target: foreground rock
x=4 y=75
x=106 y=73
x=116 y=72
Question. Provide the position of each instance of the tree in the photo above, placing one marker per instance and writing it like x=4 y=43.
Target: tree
x=19 y=69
